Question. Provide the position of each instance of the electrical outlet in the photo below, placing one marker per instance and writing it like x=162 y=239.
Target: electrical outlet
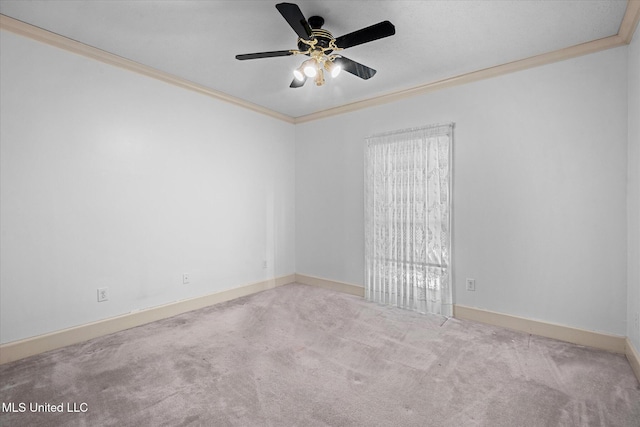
x=264 y=264
x=471 y=284
x=185 y=278
x=103 y=294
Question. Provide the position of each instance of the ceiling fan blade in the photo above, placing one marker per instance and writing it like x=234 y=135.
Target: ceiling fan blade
x=355 y=68
x=365 y=35
x=264 y=54
x=293 y=15
x=297 y=83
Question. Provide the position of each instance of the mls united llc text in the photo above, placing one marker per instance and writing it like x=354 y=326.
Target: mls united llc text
x=44 y=407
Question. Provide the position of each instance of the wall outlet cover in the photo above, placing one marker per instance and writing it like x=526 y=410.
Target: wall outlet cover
x=471 y=284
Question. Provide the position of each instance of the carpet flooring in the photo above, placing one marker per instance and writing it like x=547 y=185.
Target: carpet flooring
x=303 y=356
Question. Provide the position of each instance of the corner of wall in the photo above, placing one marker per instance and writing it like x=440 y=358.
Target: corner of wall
x=633 y=357
x=633 y=193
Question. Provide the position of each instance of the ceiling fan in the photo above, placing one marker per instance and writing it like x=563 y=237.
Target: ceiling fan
x=320 y=45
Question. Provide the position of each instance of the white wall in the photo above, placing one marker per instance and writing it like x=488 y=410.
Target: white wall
x=633 y=195
x=540 y=160
x=112 y=179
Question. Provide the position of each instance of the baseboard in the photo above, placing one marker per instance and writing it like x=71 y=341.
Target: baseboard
x=347 y=288
x=613 y=343
x=16 y=350
x=633 y=357
x=31 y=346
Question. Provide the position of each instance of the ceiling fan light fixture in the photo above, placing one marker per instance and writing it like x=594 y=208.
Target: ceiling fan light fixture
x=333 y=68
x=321 y=47
x=298 y=73
x=319 y=77
x=309 y=67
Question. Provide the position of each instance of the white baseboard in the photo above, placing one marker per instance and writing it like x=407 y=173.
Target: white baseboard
x=613 y=343
x=633 y=357
x=347 y=288
x=31 y=346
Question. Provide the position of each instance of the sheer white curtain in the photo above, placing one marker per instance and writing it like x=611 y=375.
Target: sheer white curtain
x=408 y=219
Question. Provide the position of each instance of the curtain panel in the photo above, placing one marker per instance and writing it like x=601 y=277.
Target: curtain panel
x=408 y=219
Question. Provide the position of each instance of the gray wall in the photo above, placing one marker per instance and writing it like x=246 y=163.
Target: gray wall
x=540 y=160
x=633 y=196
x=112 y=179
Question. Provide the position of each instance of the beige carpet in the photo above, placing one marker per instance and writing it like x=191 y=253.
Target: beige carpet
x=304 y=356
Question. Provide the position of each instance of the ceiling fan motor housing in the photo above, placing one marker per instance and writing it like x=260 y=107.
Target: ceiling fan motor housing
x=322 y=36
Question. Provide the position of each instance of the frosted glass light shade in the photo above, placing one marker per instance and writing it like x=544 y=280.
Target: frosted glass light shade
x=298 y=74
x=309 y=68
x=333 y=68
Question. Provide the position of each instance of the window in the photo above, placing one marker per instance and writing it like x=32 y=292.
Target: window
x=408 y=219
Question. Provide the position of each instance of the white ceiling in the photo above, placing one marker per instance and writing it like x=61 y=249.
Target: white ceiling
x=198 y=40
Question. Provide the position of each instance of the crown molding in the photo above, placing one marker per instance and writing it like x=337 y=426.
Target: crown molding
x=630 y=21
x=499 y=70
x=27 y=30
x=625 y=35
